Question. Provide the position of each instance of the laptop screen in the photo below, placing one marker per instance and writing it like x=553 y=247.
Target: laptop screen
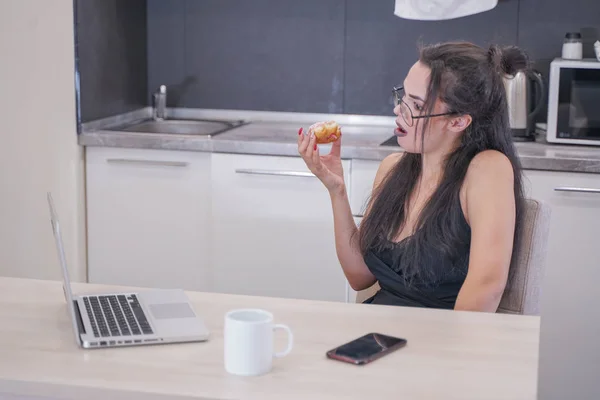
x=63 y=262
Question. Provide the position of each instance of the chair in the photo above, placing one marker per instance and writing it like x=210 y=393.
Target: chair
x=522 y=293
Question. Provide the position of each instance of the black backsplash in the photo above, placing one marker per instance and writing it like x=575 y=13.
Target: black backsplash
x=286 y=55
x=111 y=56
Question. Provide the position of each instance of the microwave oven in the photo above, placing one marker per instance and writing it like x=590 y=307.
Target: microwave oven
x=574 y=102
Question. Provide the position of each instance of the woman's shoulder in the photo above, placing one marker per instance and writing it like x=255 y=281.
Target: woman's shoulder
x=490 y=179
x=489 y=164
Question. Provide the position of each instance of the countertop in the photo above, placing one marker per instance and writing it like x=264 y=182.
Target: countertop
x=275 y=133
x=449 y=355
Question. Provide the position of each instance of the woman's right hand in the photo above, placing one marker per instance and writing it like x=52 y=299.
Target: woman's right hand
x=327 y=168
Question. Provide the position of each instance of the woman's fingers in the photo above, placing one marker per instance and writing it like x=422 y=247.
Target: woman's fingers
x=312 y=145
x=336 y=146
x=309 y=150
x=316 y=158
x=302 y=142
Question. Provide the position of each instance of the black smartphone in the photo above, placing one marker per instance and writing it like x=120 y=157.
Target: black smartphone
x=366 y=348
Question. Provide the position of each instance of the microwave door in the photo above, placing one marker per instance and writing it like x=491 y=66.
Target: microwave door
x=578 y=108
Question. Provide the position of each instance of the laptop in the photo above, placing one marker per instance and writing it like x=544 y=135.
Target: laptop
x=130 y=318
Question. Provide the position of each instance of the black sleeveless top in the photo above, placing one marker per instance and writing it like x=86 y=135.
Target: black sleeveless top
x=439 y=292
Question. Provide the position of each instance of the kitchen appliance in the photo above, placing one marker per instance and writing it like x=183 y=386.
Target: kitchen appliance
x=520 y=103
x=574 y=102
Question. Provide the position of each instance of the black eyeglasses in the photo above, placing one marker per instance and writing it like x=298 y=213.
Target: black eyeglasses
x=405 y=110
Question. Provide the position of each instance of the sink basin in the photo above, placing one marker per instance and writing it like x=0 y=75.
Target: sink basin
x=196 y=127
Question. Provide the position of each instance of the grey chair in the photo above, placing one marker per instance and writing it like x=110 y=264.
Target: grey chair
x=522 y=293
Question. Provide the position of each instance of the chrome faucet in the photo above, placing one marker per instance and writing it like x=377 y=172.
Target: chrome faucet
x=159 y=111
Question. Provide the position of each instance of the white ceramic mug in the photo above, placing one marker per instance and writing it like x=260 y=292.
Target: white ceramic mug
x=249 y=342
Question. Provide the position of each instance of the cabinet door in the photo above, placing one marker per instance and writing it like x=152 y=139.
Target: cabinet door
x=575 y=221
x=147 y=214
x=569 y=351
x=273 y=229
x=351 y=293
x=363 y=176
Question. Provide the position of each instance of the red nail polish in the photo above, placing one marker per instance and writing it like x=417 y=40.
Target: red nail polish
x=315 y=146
x=300 y=132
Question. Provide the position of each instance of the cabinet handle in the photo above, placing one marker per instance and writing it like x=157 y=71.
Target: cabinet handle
x=576 y=189
x=277 y=173
x=147 y=162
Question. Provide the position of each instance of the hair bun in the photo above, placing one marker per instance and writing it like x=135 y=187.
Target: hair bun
x=508 y=60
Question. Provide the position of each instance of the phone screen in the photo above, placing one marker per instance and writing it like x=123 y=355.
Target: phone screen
x=366 y=348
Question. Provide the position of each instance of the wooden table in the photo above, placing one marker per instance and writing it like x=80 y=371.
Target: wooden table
x=449 y=355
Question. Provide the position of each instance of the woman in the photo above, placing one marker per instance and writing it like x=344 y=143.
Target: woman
x=440 y=226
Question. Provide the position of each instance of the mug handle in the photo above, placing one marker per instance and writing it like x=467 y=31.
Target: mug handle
x=290 y=340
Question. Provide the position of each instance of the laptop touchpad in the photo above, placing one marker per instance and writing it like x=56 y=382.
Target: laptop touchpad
x=171 y=310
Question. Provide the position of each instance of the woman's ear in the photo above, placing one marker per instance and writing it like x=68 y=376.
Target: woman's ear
x=460 y=123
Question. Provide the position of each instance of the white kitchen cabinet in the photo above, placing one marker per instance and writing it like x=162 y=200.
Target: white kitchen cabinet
x=361 y=184
x=569 y=329
x=147 y=217
x=273 y=229
x=575 y=220
x=351 y=293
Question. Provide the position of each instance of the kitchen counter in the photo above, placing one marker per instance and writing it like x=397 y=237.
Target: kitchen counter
x=449 y=354
x=275 y=133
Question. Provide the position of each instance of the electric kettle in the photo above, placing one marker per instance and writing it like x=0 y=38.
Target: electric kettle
x=518 y=95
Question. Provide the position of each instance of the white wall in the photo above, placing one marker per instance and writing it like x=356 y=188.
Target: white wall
x=38 y=139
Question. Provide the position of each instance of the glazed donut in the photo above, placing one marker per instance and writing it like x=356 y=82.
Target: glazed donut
x=325 y=132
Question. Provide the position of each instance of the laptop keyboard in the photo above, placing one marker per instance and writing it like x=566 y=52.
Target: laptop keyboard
x=116 y=315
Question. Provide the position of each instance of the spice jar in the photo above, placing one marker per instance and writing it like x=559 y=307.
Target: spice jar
x=572 y=48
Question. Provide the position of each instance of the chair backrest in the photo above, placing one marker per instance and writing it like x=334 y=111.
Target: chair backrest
x=363 y=295
x=522 y=293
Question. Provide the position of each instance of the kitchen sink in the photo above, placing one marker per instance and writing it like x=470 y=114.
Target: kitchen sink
x=196 y=127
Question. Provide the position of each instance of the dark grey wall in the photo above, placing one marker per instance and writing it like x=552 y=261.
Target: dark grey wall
x=380 y=47
x=111 y=56
x=286 y=55
x=543 y=24
x=259 y=54
x=327 y=55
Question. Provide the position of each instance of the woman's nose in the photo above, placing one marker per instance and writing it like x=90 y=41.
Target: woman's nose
x=397 y=110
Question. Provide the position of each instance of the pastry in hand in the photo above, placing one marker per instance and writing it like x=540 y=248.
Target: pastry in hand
x=325 y=132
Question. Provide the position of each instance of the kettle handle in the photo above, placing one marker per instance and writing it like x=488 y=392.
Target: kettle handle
x=539 y=92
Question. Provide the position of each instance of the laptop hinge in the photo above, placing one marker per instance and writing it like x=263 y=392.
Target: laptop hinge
x=80 y=325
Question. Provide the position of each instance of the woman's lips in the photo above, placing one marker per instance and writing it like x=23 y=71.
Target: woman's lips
x=400 y=131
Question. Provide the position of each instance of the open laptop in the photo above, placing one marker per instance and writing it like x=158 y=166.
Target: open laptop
x=128 y=319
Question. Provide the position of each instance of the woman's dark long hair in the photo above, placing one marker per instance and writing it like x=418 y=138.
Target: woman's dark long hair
x=468 y=79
